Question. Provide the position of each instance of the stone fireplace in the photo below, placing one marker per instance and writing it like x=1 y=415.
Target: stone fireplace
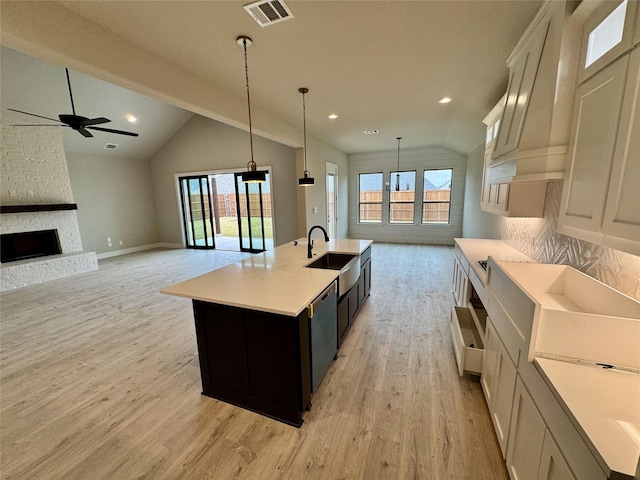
x=36 y=197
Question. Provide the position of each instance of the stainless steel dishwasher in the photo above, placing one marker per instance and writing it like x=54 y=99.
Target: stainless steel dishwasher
x=323 y=333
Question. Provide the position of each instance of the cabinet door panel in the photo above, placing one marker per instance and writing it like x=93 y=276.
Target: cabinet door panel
x=503 y=397
x=526 y=437
x=486 y=187
x=489 y=363
x=622 y=214
x=596 y=113
x=553 y=466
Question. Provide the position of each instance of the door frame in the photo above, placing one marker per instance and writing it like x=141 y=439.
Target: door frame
x=176 y=181
x=332 y=168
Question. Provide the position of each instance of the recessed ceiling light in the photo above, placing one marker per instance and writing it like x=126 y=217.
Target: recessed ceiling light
x=333 y=116
x=371 y=132
x=444 y=100
x=131 y=118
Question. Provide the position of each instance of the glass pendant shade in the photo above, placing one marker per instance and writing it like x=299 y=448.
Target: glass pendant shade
x=306 y=180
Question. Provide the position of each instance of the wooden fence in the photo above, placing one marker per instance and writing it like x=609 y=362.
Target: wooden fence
x=435 y=207
x=227 y=206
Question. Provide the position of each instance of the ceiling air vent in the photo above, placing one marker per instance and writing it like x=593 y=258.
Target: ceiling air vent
x=111 y=146
x=269 y=12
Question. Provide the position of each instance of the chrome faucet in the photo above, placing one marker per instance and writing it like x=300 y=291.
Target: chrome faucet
x=310 y=242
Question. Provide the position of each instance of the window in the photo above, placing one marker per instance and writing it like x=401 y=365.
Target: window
x=436 y=196
x=402 y=197
x=606 y=35
x=370 y=198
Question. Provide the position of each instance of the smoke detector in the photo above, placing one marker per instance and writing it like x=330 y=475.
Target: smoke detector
x=111 y=146
x=269 y=12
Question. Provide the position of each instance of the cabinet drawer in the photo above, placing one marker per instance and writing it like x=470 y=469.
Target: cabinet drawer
x=467 y=343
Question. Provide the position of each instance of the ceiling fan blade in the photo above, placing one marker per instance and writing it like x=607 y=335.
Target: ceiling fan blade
x=33 y=114
x=94 y=121
x=73 y=107
x=84 y=132
x=120 y=132
x=37 y=125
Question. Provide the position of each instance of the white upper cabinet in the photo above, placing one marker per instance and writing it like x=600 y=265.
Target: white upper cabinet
x=622 y=207
x=608 y=33
x=597 y=109
x=601 y=195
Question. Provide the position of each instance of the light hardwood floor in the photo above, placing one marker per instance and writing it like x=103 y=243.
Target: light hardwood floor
x=100 y=380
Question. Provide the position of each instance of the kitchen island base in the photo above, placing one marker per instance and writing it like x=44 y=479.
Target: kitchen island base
x=255 y=360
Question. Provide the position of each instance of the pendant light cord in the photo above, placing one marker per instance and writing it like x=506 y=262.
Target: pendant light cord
x=246 y=76
x=304 y=130
x=398 y=168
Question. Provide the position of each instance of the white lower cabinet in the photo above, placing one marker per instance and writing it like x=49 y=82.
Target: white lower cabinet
x=498 y=381
x=553 y=466
x=526 y=436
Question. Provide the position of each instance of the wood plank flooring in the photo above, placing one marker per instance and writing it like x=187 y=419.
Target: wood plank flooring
x=99 y=379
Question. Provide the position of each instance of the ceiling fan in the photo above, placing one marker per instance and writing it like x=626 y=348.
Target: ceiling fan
x=78 y=123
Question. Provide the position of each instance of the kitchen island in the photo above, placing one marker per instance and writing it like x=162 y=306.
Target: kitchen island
x=253 y=325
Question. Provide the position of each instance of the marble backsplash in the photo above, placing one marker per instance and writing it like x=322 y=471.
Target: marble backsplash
x=539 y=239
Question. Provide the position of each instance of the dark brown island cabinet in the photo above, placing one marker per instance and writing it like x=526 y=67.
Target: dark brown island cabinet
x=262 y=361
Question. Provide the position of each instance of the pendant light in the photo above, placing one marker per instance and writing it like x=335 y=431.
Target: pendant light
x=252 y=175
x=306 y=179
x=398 y=169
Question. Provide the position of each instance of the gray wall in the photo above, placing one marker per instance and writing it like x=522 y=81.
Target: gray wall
x=318 y=154
x=413 y=159
x=115 y=200
x=475 y=222
x=204 y=145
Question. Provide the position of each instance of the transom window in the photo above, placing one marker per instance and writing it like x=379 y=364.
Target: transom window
x=370 y=198
x=436 y=196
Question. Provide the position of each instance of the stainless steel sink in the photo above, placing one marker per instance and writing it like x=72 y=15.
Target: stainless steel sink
x=349 y=266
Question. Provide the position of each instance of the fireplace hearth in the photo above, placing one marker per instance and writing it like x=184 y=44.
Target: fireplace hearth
x=27 y=245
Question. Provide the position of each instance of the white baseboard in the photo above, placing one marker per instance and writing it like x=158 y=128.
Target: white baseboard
x=140 y=248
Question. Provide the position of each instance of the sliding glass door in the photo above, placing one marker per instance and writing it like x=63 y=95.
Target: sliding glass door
x=254 y=215
x=197 y=211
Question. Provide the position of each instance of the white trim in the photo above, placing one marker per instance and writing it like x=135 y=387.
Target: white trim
x=332 y=168
x=125 y=251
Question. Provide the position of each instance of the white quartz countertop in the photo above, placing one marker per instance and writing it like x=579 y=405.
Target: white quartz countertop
x=605 y=404
x=274 y=281
x=475 y=249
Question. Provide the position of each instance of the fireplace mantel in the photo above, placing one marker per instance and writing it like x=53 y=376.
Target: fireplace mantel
x=52 y=207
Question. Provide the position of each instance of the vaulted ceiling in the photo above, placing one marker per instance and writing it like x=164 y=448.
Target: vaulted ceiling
x=378 y=65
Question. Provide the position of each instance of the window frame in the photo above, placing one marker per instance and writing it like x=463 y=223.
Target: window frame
x=360 y=202
x=425 y=202
x=412 y=203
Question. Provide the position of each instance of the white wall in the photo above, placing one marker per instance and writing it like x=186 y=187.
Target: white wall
x=115 y=200
x=414 y=159
x=475 y=222
x=204 y=145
